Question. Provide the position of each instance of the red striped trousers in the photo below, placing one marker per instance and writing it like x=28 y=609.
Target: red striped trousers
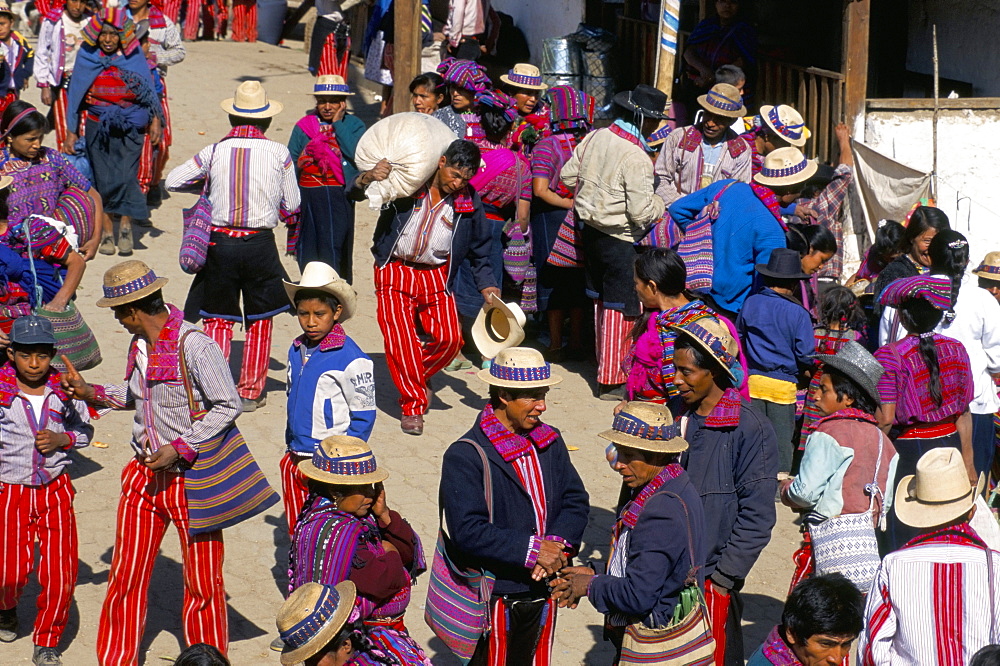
x=244 y=21
x=172 y=9
x=256 y=352
x=294 y=489
x=499 y=639
x=612 y=330
x=43 y=514
x=149 y=502
x=406 y=295
x=58 y=112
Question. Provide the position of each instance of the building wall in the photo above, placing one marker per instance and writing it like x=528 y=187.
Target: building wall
x=541 y=19
x=968 y=143
x=967 y=32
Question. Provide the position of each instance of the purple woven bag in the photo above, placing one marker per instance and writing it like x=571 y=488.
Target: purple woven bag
x=197 y=229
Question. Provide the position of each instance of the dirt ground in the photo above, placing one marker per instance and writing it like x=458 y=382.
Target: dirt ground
x=255 y=567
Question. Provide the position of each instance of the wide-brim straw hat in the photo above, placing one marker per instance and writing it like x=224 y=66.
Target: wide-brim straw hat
x=713 y=336
x=5 y=9
x=250 y=101
x=939 y=492
x=519 y=368
x=321 y=277
x=646 y=426
x=127 y=282
x=342 y=460
x=787 y=123
x=723 y=100
x=859 y=365
x=660 y=134
x=989 y=268
x=311 y=617
x=524 y=75
x=785 y=166
x=331 y=84
x=498 y=326
x=5 y=182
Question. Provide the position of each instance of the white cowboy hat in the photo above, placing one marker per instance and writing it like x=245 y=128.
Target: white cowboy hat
x=786 y=166
x=787 y=123
x=250 y=101
x=331 y=84
x=311 y=617
x=498 y=326
x=519 y=368
x=524 y=76
x=939 y=492
x=321 y=277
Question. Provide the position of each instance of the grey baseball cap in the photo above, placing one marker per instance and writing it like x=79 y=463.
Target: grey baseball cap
x=32 y=330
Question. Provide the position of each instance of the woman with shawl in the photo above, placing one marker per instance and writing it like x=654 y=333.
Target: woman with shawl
x=723 y=39
x=322 y=146
x=112 y=94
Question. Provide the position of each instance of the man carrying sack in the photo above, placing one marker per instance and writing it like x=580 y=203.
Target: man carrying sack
x=186 y=404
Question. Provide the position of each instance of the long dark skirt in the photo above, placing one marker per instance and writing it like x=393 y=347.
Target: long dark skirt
x=558 y=288
x=608 y=263
x=326 y=231
x=114 y=159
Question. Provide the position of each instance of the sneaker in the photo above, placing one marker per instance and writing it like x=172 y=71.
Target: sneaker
x=8 y=625
x=251 y=405
x=107 y=245
x=125 y=242
x=412 y=425
x=46 y=656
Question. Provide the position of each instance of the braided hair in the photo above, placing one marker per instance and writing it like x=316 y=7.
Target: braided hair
x=920 y=318
x=949 y=253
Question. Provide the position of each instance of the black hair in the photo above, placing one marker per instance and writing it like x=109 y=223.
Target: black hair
x=703 y=359
x=431 y=80
x=348 y=633
x=888 y=243
x=987 y=283
x=988 y=655
x=327 y=490
x=839 y=304
x=464 y=155
x=201 y=654
x=918 y=316
x=509 y=394
x=495 y=124
x=665 y=268
x=15 y=346
x=806 y=238
x=151 y=304
x=845 y=387
x=260 y=123
x=33 y=122
x=949 y=253
x=326 y=297
x=828 y=604
x=924 y=218
x=4 y=209
x=730 y=74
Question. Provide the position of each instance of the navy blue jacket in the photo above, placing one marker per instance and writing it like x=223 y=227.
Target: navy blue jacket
x=472 y=237
x=659 y=557
x=777 y=335
x=502 y=547
x=734 y=465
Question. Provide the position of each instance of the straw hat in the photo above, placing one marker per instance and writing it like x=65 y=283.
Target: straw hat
x=127 y=282
x=989 y=268
x=250 y=101
x=321 y=277
x=524 y=76
x=787 y=123
x=519 y=368
x=660 y=134
x=331 y=84
x=498 y=326
x=5 y=182
x=713 y=336
x=939 y=492
x=311 y=617
x=859 y=365
x=785 y=166
x=646 y=426
x=5 y=9
x=341 y=460
x=723 y=100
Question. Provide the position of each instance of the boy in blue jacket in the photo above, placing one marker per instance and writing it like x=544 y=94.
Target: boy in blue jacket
x=331 y=382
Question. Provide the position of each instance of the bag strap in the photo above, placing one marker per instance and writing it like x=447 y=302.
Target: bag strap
x=185 y=375
x=39 y=292
x=693 y=571
x=487 y=480
x=991 y=589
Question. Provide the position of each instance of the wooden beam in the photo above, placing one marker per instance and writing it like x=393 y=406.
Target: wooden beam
x=406 y=52
x=857 y=19
x=927 y=104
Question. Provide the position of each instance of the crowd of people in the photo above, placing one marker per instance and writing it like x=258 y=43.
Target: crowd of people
x=747 y=366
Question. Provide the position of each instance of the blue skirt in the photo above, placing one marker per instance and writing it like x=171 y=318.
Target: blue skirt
x=326 y=229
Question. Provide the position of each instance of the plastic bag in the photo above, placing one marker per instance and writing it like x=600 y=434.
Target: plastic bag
x=413 y=143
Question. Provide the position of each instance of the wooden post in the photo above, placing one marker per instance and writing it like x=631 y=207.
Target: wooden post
x=857 y=17
x=934 y=121
x=666 y=50
x=406 y=52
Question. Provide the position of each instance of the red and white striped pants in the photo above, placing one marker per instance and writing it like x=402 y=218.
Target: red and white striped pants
x=43 y=514
x=256 y=352
x=404 y=295
x=611 y=330
x=153 y=159
x=149 y=502
x=294 y=489
x=59 y=114
x=244 y=21
x=500 y=638
x=172 y=9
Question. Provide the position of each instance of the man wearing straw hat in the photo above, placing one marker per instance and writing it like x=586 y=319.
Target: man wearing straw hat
x=165 y=439
x=539 y=507
x=697 y=156
x=314 y=625
x=250 y=182
x=935 y=601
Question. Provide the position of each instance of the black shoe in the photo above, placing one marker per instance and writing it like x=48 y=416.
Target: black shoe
x=251 y=405
x=154 y=197
x=8 y=625
x=46 y=656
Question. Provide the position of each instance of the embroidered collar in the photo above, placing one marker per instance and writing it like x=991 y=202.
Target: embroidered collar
x=245 y=132
x=726 y=414
x=511 y=445
x=850 y=413
x=461 y=201
x=334 y=339
x=163 y=363
x=776 y=650
x=632 y=510
x=629 y=132
x=9 y=389
x=961 y=534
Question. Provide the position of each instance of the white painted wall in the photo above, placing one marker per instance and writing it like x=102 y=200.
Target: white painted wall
x=541 y=19
x=967 y=31
x=969 y=173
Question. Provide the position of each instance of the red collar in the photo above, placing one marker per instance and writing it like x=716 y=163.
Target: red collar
x=628 y=136
x=726 y=414
x=962 y=534
x=245 y=132
x=163 y=361
x=9 y=389
x=334 y=339
x=510 y=445
x=850 y=413
x=461 y=201
x=632 y=510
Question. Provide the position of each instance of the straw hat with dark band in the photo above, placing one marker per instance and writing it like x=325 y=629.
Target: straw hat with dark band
x=519 y=368
x=127 y=282
x=646 y=426
x=341 y=460
x=939 y=492
x=311 y=617
x=713 y=337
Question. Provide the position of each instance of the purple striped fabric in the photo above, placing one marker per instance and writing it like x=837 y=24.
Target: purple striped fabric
x=906 y=380
x=570 y=108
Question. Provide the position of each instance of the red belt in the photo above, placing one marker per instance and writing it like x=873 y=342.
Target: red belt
x=234 y=232
x=928 y=431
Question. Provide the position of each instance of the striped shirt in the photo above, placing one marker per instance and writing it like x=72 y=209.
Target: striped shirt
x=161 y=408
x=426 y=236
x=906 y=381
x=252 y=181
